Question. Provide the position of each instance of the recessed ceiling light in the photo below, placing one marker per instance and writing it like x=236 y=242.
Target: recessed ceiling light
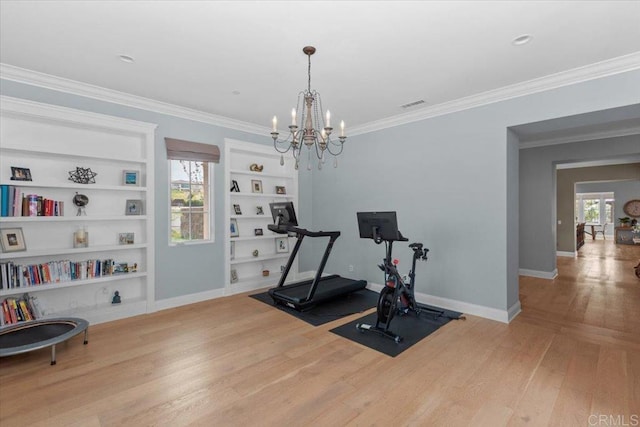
x=520 y=40
x=126 y=58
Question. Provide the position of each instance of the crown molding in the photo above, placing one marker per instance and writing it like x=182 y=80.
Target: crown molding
x=47 y=81
x=589 y=136
x=594 y=71
x=577 y=75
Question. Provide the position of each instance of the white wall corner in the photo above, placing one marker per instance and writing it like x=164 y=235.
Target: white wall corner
x=168 y=303
x=539 y=274
x=513 y=311
x=566 y=254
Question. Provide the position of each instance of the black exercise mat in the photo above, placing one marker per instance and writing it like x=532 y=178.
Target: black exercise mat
x=355 y=302
x=411 y=328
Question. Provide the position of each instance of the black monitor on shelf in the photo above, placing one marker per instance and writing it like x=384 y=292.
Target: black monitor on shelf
x=379 y=226
x=283 y=214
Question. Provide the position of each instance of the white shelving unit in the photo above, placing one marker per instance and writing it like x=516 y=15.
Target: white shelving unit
x=239 y=156
x=51 y=141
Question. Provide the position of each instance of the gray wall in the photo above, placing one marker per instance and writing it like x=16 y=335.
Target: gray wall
x=538 y=211
x=452 y=180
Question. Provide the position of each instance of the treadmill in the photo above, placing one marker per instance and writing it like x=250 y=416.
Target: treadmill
x=306 y=294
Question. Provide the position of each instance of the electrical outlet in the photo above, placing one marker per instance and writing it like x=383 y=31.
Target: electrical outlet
x=351 y=268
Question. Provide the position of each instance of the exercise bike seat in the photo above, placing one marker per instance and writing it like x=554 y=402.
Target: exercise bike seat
x=416 y=246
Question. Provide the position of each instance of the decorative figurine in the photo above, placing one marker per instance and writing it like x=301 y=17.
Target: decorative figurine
x=82 y=176
x=256 y=253
x=116 y=298
x=256 y=167
x=80 y=200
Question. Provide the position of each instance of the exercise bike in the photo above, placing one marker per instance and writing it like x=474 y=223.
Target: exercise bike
x=397 y=296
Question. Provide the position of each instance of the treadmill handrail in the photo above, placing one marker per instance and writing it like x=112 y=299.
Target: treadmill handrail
x=302 y=231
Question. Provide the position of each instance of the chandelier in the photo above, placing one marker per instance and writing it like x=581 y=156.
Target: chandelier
x=314 y=128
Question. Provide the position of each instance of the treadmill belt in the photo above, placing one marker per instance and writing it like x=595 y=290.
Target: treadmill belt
x=328 y=287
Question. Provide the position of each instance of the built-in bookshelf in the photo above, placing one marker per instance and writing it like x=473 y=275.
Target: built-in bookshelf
x=51 y=142
x=247 y=209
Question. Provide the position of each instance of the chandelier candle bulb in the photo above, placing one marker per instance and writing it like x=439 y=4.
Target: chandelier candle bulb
x=293 y=116
x=275 y=124
x=342 y=128
x=328 y=119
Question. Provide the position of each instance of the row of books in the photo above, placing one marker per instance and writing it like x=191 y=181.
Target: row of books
x=14 y=275
x=15 y=203
x=21 y=309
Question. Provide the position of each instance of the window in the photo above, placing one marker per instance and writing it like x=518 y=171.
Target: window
x=190 y=201
x=595 y=208
x=591 y=211
x=190 y=189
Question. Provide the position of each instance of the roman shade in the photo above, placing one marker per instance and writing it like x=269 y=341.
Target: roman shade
x=178 y=149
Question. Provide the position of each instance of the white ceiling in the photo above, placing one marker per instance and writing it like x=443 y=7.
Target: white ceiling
x=243 y=60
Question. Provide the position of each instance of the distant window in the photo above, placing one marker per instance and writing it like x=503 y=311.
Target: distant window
x=591 y=211
x=595 y=208
x=190 y=201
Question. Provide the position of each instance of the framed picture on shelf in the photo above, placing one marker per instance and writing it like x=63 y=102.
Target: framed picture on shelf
x=282 y=245
x=130 y=177
x=20 y=174
x=234 y=228
x=12 y=240
x=280 y=189
x=234 y=276
x=133 y=207
x=235 y=188
x=126 y=238
x=120 y=267
x=237 y=210
x=259 y=210
x=258 y=232
x=232 y=254
x=256 y=186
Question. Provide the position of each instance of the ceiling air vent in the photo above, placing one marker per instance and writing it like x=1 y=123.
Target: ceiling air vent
x=412 y=104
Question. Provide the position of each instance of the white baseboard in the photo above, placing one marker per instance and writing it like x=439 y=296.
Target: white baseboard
x=165 y=304
x=504 y=316
x=539 y=274
x=566 y=254
x=217 y=293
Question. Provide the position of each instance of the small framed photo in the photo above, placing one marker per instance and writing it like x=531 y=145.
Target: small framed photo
x=126 y=238
x=133 y=207
x=256 y=186
x=12 y=240
x=234 y=276
x=258 y=232
x=280 y=189
x=259 y=210
x=234 y=228
x=282 y=245
x=232 y=254
x=20 y=174
x=131 y=177
x=120 y=267
x=237 y=210
x=235 y=188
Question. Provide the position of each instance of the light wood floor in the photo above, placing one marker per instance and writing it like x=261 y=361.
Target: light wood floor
x=573 y=354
